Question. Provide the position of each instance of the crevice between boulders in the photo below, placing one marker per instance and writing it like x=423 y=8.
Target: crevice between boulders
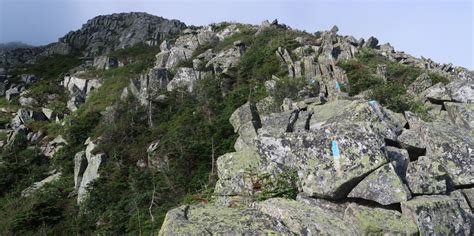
x=292 y=120
x=308 y=121
x=256 y=121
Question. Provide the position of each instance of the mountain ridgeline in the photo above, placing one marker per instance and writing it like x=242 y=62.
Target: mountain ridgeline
x=136 y=124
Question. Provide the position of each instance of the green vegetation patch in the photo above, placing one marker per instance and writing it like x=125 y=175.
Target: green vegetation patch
x=362 y=75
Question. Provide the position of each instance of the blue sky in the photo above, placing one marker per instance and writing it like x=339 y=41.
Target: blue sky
x=438 y=29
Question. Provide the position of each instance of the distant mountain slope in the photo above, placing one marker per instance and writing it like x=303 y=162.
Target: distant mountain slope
x=13 y=45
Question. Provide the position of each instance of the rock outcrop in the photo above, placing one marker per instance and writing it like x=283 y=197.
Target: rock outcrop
x=319 y=163
x=357 y=164
x=87 y=164
x=78 y=89
x=103 y=34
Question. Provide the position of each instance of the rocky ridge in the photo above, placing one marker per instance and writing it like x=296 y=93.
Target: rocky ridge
x=360 y=167
x=355 y=166
x=99 y=36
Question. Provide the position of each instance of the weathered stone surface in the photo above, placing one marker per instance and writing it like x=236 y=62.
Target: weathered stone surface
x=383 y=186
x=372 y=42
x=320 y=172
x=378 y=221
x=411 y=141
x=91 y=172
x=267 y=105
x=27 y=101
x=461 y=114
x=150 y=85
x=75 y=101
x=103 y=34
x=79 y=88
x=80 y=165
x=38 y=185
x=209 y=219
x=50 y=114
x=462 y=199
x=186 y=79
x=305 y=219
x=438 y=93
x=462 y=90
x=18 y=136
x=105 y=63
x=53 y=146
x=184 y=47
x=414 y=122
x=155 y=159
x=76 y=84
x=426 y=176
x=469 y=195
x=275 y=124
x=12 y=93
x=244 y=114
x=453 y=148
x=226 y=62
x=235 y=173
x=401 y=159
x=384 y=121
x=227 y=31
x=29 y=79
x=439 y=215
x=420 y=84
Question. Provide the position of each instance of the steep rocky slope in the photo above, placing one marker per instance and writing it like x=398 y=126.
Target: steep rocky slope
x=135 y=123
x=101 y=35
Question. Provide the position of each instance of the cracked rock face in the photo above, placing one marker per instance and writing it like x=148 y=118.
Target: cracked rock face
x=439 y=215
x=426 y=176
x=210 y=219
x=356 y=161
x=454 y=148
x=383 y=186
x=105 y=33
x=86 y=168
x=305 y=219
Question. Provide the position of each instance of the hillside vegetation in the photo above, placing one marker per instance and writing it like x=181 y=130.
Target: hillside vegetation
x=166 y=112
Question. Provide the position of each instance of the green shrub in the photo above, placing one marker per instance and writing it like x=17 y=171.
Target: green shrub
x=186 y=63
x=260 y=61
x=79 y=128
x=282 y=185
x=51 y=67
x=437 y=78
x=361 y=73
x=287 y=87
x=139 y=52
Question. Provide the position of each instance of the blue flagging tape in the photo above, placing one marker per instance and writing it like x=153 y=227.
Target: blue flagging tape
x=373 y=102
x=338 y=87
x=335 y=149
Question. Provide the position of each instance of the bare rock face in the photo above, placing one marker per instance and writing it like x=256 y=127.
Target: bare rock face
x=103 y=34
x=79 y=88
x=426 y=176
x=211 y=219
x=38 y=185
x=105 y=62
x=186 y=79
x=453 y=147
x=86 y=168
x=383 y=186
x=370 y=221
x=439 y=215
x=461 y=114
x=306 y=219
